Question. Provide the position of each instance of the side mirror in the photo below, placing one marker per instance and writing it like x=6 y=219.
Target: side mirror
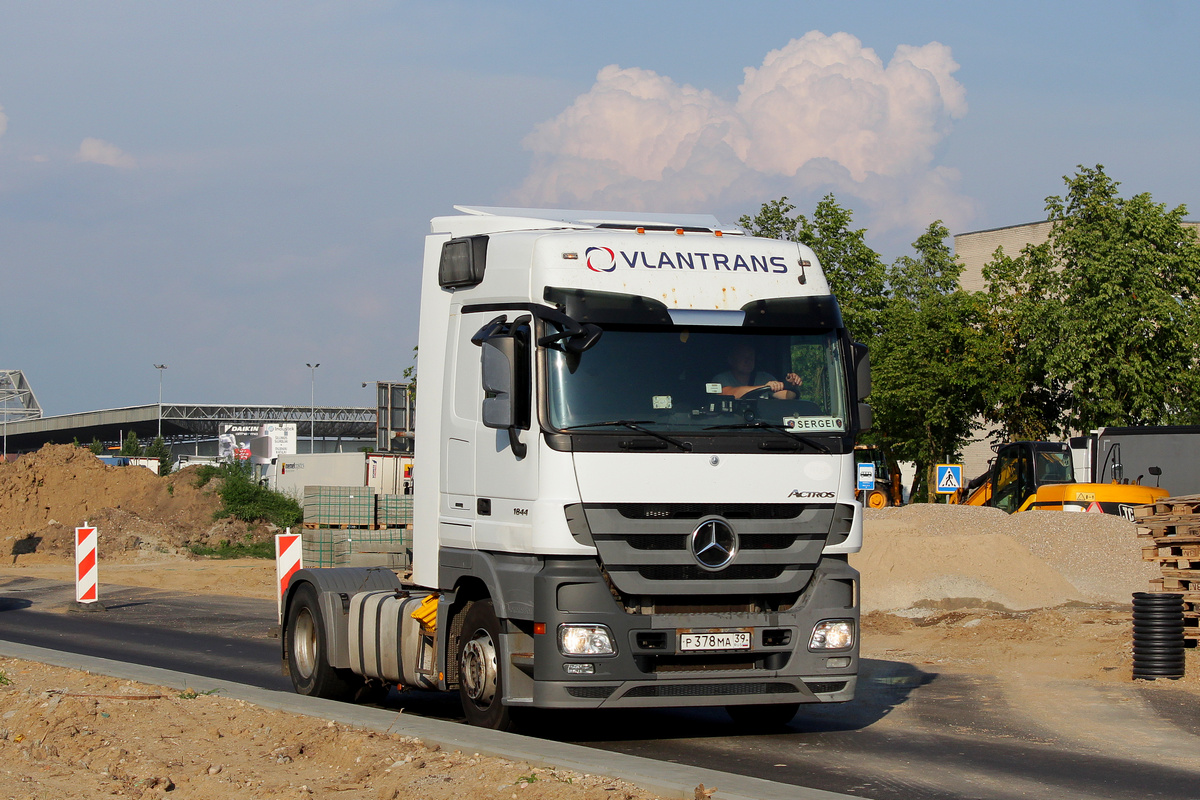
x=498 y=363
x=504 y=367
x=866 y=417
x=862 y=369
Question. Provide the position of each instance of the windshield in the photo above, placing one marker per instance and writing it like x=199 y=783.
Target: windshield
x=1054 y=467
x=701 y=379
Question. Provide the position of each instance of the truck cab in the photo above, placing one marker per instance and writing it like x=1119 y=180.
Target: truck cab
x=602 y=518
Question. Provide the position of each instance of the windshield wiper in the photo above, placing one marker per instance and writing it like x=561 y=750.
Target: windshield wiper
x=770 y=426
x=635 y=425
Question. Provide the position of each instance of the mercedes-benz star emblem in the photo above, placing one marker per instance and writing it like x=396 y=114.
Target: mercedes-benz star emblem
x=714 y=544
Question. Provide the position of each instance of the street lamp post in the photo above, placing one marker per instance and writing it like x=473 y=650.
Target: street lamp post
x=160 y=368
x=312 y=431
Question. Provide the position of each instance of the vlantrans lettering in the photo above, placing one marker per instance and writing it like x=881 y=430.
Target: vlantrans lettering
x=708 y=262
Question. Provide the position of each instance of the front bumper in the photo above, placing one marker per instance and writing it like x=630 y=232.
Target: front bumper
x=649 y=668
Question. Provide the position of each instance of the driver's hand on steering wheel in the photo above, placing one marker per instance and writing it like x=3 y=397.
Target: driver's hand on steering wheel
x=774 y=386
x=793 y=379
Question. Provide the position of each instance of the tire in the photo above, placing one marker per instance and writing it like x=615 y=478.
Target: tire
x=763 y=717
x=481 y=669
x=877 y=499
x=306 y=642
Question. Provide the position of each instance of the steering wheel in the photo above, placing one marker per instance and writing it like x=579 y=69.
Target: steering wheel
x=761 y=393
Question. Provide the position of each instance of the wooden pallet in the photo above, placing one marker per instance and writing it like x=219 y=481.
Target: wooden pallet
x=1186 y=533
x=1183 y=505
x=334 y=526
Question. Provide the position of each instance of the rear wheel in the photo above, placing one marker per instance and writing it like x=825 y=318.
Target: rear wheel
x=480 y=669
x=311 y=672
x=776 y=715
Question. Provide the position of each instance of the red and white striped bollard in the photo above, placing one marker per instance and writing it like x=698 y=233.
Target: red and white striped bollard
x=289 y=557
x=86 y=567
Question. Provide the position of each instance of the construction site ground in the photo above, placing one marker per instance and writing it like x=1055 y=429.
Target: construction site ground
x=1031 y=597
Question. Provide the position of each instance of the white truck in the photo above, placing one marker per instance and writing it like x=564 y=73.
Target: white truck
x=610 y=510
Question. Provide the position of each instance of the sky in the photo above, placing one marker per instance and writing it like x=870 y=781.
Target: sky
x=238 y=189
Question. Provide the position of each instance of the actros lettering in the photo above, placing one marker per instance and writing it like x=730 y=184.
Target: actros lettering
x=814 y=495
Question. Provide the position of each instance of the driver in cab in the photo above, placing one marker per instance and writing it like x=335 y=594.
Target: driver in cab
x=741 y=378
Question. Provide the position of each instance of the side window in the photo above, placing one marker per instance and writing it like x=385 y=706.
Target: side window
x=1006 y=492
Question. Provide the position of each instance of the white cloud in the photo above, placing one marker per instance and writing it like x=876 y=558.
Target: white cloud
x=3 y=121
x=98 y=151
x=820 y=112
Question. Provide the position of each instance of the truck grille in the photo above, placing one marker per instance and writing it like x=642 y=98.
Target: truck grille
x=591 y=692
x=689 y=572
x=646 y=548
x=700 y=510
x=710 y=689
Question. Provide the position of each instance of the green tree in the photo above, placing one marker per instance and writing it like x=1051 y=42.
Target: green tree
x=1025 y=401
x=1125 y=305
x=97 y=447
x=931 y=369
x=1101 y=324
x=131 y=447
x=772 y=221
x=159 y=449
x=410 y=375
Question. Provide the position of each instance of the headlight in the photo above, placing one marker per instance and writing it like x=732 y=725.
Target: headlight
x=832 y=634
x=585 y=640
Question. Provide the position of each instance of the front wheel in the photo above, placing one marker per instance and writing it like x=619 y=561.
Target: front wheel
x=480 y=669
x=877 y=499
x=311 y=672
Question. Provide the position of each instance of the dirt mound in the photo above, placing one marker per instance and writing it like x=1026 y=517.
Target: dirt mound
x=76 y=736
x=45 y=495
x=960 y=556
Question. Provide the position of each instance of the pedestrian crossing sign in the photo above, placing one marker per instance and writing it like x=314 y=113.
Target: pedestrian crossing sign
x=949 y=478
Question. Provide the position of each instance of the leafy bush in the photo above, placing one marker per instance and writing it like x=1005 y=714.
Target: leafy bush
x=242 y=498
x=204 y=474
x=246 y=549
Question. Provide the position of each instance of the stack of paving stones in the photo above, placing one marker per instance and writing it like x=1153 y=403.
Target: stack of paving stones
x=1171 y=530
x=389 y=541
x=353 y=526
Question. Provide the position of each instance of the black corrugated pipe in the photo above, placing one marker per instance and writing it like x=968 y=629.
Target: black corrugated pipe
x=1157 y=635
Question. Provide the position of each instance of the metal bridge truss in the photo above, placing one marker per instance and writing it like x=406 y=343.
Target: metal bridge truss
x=18 y=399
x=186 y=422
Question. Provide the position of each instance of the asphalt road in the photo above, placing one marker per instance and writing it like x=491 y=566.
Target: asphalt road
x=911 y=734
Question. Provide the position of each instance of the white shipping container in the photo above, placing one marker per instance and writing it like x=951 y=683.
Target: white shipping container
x=291 y=473
x=388 y=472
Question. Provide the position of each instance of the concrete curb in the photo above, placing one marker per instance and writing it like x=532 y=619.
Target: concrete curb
x=663 y=778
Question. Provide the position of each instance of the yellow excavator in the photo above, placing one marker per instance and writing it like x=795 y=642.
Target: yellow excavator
x=1040 y=476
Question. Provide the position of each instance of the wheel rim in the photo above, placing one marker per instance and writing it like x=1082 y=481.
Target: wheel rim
x=479 y=669
x=304 y=643
x=877 y=500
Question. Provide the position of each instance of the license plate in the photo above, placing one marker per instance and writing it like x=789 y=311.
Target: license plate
x=719 y=640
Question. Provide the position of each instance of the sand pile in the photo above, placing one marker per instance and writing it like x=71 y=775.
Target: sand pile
x=959 y=556
x=45 y=495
